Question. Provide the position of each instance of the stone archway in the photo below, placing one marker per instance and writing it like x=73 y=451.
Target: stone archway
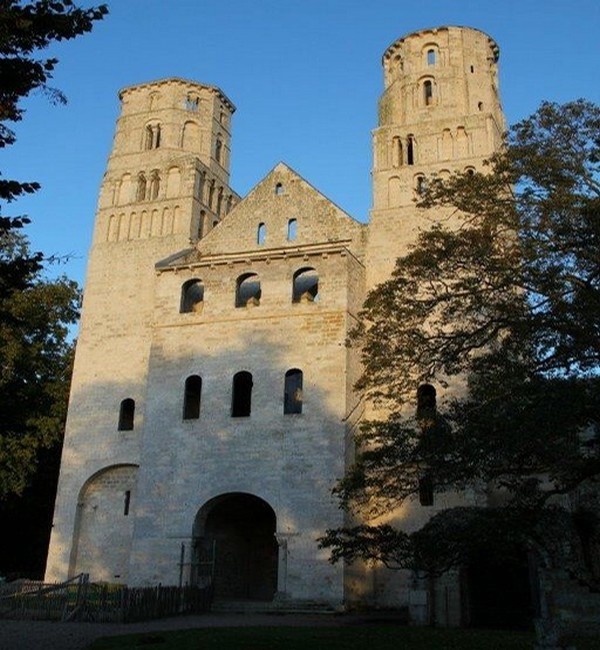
x=234 y=541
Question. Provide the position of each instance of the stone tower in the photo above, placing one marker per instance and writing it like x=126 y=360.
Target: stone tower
x=439 y=112
x=166 y=186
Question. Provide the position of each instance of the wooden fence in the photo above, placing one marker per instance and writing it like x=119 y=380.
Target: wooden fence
x=80 y=600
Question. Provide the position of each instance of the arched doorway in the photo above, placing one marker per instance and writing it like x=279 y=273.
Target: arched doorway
x=234 y=541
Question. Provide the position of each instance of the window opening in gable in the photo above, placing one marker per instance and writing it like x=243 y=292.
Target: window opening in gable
x=126 y=415
x=192 y=296
x=292 y=392
x=410 y=150
x=191 y=397
x=261 y=234
x=279 y=188
x=241 y=395
x=292 y=229
x=248 y=290
x=305 y=286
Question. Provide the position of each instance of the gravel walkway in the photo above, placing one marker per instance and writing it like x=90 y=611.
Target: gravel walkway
x=45 y=635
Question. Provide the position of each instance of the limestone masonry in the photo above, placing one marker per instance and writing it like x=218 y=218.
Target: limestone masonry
x=212 y=407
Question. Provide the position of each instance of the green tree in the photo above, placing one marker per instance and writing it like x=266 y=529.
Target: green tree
x=35 y=355
x=500 y=304
x=34 y=312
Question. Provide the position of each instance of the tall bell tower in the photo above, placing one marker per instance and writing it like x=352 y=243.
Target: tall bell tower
x=439 y=112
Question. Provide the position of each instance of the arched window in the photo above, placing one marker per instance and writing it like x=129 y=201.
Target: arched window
x=152 y=136
x=292 y=392
x=247 y=290
x=279 y=188
x=192 y=102
x=411 y=150
x=261 y=234
x=192 y=296
x=191 y=398
x=396 y=152
x=141 y=188
x=306 y=285
x=219 y=201
x=211 y=193
x=148 y=137
x=420 y=185
x=154 y=184
x=292 y=229
x=218 y=149
x=428 y=92
x=431 y=56
x=126 y=415
x=241 y=395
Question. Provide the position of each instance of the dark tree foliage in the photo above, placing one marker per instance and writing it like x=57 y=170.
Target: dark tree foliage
x=498 y=306
x=34 y=312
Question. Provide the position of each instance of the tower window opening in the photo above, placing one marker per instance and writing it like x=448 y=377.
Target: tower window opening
x=191 y=397
x=428 y=92
x=241 y=395
x=154 y=184
x=279 y=189
x=248 y=292
x=152 y=136
x=126 y=415
x=127 y=502
x=192 y=296
x=431 y=57
x=219 y=201
x=218 y=149
x=305 y=286
x=396 y=152
x=410 y=150
x=292 y=229
x=421 y=185
x=292 y=392
x=261 y=234
x=472 y=69
x=140 y=194
x=480 y=106
x=192 y=103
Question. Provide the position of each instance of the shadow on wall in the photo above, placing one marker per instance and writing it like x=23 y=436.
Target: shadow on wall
x=197 y=432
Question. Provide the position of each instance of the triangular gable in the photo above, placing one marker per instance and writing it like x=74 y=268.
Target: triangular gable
x=281 y=197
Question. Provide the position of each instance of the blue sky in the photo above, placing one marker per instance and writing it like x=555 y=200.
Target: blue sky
x=305 y=76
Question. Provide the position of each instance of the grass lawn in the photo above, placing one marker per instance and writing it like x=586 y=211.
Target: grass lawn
x=366 y=637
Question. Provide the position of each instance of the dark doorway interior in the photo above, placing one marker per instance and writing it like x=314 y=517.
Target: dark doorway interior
x=240 y=529
x=497 y=591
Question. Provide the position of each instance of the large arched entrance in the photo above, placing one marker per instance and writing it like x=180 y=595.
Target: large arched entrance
x=234 y=541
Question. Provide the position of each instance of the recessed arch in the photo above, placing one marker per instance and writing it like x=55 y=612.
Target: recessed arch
x=103 y=525
x=192 y=397
x=126 y=415
x=241 y=394
x=247 y=290
x=305 y=286
x=292 y=391
x=234 y=535
x=192 y=296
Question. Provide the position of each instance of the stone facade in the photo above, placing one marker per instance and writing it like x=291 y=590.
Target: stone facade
x=212 y=401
